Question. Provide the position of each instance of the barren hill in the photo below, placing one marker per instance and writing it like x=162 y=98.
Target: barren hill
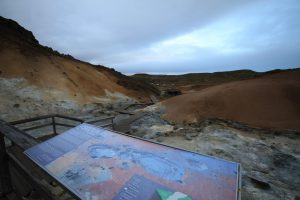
x=185 y=83
x=60 y=76
x=270 y=101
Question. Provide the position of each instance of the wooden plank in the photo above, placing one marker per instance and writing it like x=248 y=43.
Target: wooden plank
x=39 y=178
x=70 y=118
x=99 y=120
x=17 y=136
x=27 y=163
x=21 y=185
x=124 y=124
x=30 y=119
x=45 y=117
x=5 y=182
x=36 y=127
x=105 y=125
x=46 y=137
x=21 y=140
x=54 y=125
x=36 y=183
x=65 y=125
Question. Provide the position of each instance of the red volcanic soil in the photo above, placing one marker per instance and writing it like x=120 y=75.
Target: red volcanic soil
x=192 y=88
x=270 y=101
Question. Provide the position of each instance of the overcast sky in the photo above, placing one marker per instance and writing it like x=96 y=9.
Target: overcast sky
x=167 y=36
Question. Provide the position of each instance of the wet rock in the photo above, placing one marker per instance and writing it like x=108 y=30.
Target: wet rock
x=169 y=133
x=137 y=131
x=282 y=160
x=193 y=134
x=149 y=136
x=160 y=139
x=159 y=134
x=16 y=105
x=260 y=184
x=188 y=137
x=176 y=127
x=263 y=168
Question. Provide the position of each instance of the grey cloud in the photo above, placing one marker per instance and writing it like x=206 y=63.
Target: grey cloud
x=117 y=24
x=118 y=33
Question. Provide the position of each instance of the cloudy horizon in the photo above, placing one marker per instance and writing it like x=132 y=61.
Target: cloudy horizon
x=171 y=36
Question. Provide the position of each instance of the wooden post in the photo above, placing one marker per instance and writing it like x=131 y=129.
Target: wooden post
x=5 y=182
x=54 y=125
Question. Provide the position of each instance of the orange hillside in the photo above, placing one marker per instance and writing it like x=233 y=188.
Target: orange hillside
x=271 y=101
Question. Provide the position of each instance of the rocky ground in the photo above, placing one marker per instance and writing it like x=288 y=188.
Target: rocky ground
x=270 y=159
x=20 y=100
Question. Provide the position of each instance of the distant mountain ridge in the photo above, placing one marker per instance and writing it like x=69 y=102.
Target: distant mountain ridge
x=195 y=81
x=206 y=77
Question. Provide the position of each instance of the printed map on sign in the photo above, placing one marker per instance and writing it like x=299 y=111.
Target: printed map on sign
x=96 y=163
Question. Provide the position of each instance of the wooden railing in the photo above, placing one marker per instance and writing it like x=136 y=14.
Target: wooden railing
x=110 y=123
x=54 y=122
x=8 y=160
x=16 y=133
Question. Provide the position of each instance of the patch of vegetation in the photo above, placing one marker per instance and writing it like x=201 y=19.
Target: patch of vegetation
x=168 y=84
x=172 y=92
x=197 y=78
x=130 y=82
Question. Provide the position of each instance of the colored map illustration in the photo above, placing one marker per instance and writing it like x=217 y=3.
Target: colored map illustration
x=95 y=163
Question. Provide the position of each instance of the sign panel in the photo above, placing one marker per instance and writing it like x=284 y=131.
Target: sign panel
x=96 y=163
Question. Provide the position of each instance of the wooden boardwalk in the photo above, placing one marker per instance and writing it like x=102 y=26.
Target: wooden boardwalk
x=123 y=125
